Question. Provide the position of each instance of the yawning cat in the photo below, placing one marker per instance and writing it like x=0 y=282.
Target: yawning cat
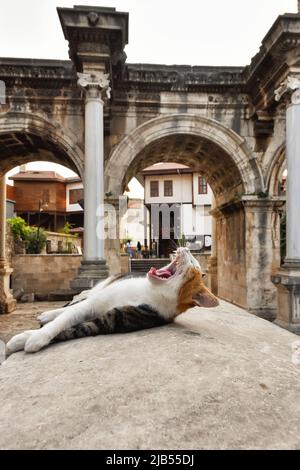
x=121 y=305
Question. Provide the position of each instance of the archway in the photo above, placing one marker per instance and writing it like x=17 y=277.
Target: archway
x=232 y=171
x=25 y=138
x=192 y=139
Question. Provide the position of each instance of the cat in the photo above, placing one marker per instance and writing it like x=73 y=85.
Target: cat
x=121 y=305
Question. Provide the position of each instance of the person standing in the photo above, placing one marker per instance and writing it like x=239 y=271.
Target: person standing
x=139 y=249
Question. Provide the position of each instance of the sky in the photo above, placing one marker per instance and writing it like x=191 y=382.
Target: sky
x=193 y=32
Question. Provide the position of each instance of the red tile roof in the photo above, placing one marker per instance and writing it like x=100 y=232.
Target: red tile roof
x=37 y=175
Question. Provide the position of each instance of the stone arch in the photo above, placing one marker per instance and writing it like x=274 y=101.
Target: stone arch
x=27 y=137
x=275 y=170
x=224 y=142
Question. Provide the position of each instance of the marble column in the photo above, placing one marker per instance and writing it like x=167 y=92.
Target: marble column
x=287 y=279
x=212 y=265
x=93 y=267
x=7 y=302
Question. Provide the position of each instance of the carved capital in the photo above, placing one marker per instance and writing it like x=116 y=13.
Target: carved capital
x=94 y=84
x=290 y=87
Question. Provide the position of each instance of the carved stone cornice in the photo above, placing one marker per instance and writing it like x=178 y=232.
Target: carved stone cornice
x=290 y=88
x=36 y=73
x=95 y=85
x=278 y=52
x=179 y=78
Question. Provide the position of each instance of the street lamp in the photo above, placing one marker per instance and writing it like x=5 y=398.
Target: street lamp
x=42 y=207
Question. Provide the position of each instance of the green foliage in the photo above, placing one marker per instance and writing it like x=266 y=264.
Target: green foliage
x=19 y=228
x=66 y=228
x=34 y=238
x=181 y=242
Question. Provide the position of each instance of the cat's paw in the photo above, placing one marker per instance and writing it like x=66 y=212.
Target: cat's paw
x=46 y=317
x=17 y=343
x=36 y=341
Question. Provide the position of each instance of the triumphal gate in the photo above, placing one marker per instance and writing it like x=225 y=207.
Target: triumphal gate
x=107 y=120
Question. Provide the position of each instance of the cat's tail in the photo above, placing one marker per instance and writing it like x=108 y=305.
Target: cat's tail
x=118 y=320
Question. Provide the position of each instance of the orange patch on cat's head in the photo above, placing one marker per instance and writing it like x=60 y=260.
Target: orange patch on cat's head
x=194 y=293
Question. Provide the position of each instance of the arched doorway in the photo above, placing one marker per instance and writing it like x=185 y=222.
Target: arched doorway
x=242 y=211
x=25 y=138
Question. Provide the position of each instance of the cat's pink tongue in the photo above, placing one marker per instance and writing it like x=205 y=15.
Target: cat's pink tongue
x=162 y=273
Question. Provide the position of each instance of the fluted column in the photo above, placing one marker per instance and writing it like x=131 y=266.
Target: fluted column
x=7 y=303
x=290 y=90
x=212 y=265
x=93 y=266
x=287 y=279
x=94 y=86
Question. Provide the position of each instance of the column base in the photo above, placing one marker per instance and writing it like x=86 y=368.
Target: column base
x=287 y=281
x=7 y=302
x=89 y=274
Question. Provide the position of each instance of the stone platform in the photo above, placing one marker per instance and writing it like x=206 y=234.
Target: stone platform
x=219 y=378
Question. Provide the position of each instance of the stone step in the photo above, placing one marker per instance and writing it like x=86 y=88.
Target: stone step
x=145 y=265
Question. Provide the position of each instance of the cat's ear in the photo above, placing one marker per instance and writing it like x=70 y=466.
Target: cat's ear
x=205 y=298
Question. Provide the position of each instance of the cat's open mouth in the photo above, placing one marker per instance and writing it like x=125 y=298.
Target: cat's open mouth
x=164 y=273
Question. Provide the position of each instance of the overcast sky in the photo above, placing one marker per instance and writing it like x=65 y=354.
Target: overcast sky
x=195 y=32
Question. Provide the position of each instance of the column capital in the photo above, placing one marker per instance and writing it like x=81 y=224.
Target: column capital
x=290 y=88
x=94 y=85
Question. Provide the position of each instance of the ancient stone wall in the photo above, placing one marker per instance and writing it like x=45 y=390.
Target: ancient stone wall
x=43 y=274
x=231 y=257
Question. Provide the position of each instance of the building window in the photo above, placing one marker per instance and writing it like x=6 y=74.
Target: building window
x=168 y=188
x=202 y=185
x=75 y=195
x=154 y=192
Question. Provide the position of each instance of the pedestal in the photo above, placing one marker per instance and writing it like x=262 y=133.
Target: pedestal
x=7 y=302
x=89 y=274
x=287 y=281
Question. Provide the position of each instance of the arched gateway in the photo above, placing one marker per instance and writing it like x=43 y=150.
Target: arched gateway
x=231 y=169
x=194 y=140
x=107 y=120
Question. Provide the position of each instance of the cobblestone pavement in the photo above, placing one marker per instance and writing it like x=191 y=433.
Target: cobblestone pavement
x=24 y=318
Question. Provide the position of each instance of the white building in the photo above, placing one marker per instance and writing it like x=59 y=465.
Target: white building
x=177 y=187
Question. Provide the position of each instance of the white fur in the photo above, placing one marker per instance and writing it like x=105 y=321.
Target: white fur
x=161 y=295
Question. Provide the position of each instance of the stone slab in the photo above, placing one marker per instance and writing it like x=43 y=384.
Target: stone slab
x=218 y=378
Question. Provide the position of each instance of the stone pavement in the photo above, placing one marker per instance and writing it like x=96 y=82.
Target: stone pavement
x=218 y=378
x=24 y=318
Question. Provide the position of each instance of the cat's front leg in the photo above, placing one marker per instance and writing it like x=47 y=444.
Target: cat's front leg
x=49 y=315
x=17 y=343
x=72 y=315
